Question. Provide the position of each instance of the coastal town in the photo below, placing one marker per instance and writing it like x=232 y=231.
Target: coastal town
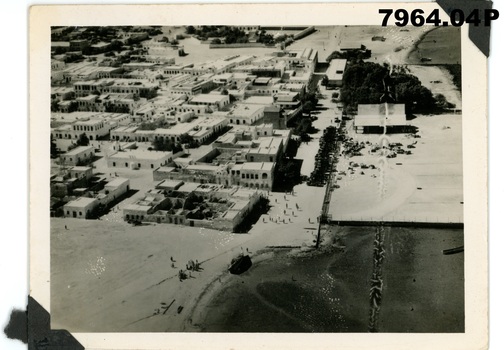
x=197 y=171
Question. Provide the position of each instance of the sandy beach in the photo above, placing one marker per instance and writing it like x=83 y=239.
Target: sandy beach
x=115 y=275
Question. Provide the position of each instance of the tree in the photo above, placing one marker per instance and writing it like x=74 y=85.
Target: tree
x=73 y=106
x=54 y=105
x=191 y=201
x=54 y=148
x=189 y=140
x=325 y=81
x=83 y=140
x=190 y=30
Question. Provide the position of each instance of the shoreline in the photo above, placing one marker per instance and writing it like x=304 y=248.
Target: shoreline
x=342 y=271
x=416 y=43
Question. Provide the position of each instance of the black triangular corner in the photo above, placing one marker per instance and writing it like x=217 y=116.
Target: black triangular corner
x=479 y=35
x=40 y=334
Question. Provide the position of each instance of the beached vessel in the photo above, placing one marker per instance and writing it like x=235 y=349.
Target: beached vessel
x=240 y=264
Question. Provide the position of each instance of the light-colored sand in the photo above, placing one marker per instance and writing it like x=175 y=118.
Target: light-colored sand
x=328 y=39
x=439 y=81
x=425 y=186
x=107 y=274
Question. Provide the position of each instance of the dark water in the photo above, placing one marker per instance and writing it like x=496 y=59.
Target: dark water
x=442 y=45
x=423 y=290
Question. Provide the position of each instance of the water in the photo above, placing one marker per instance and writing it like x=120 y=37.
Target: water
x=329 y=291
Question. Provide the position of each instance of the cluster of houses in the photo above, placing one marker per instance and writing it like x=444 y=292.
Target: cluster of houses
x=234 y=110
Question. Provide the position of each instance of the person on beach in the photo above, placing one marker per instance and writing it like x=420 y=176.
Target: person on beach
x=66 y=228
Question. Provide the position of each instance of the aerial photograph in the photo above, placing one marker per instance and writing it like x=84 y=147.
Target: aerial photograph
x=294 y=179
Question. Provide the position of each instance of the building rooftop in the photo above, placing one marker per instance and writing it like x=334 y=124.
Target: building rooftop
x=177 y=129
x=336 y=69
x=80 y=168
x=117 y=182
x=245 y=110
x=208 y=98
x=165 y=169
x=259 y=100
x=79 y=150
x=81 y=202
x=170 y=184
x=380 y=109
x=140 y=154
x=266 y=166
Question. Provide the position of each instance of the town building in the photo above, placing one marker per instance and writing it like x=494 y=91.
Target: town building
x=77 y=156
x=243 y=113
x=214 y=102
x=335 y=72
x=256 y=175
x=221 y=207
x=80 y=208
x=374 y=117
x=139 y=159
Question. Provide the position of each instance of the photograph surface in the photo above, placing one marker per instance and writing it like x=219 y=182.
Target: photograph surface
x=220 y=176
x=256 y=179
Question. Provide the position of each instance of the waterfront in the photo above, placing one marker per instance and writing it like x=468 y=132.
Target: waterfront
x=328 y=290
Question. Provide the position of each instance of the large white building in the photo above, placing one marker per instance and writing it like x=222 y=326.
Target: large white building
x=243 y=113
x=379 y=115
x=78 y=155
x=139 y=159
x=335 y=72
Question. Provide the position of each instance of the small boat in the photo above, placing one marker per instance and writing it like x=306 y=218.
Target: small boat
x=240 y=264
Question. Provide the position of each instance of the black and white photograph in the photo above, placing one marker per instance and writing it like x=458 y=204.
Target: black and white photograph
x=256 y=178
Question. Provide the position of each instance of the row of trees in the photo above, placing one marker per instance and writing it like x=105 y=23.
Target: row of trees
x=227 y=35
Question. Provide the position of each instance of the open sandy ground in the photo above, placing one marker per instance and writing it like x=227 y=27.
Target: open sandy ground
x=425 y=186
x=107 y=275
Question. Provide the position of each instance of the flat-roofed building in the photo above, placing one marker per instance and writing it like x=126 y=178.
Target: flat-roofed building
x=351 y=45
x=192 y=87
x=152 y=201
x=62 y=93
x=93 y=128
x=335 y=72
x=80 y=208
x=123 y=133
x=243 y=113
x=376 y=116
x=268 y=149
x=213 y=101
x=80 y=172
x=138 y=88
x=204 y=128
x=78 y=155
x=256 y=175
x=139 y=159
